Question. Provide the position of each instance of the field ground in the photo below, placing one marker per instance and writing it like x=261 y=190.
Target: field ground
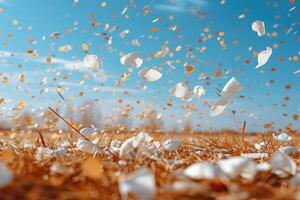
x=33 y=178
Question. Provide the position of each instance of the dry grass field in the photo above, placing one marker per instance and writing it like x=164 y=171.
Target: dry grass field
x=73 y=174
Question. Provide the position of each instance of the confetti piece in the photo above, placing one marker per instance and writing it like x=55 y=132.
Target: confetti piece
x=132 y=59
x=150 y=75
x=85 y=47
x=263 y=57
x=93 y=63
x=189 y=69
x=92 y=168
x=259 y=27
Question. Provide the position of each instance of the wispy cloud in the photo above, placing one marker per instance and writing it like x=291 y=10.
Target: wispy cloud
x=101 y=88
x=5 y=54
x=171 y=8
x=65 y=63
x=3 y=2
x=72 y=65
x=180 y=6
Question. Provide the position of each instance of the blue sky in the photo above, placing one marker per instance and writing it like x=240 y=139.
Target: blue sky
x=194 y=19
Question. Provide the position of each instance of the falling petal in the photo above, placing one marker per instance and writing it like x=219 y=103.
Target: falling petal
x=263 y=57
x=218 y=107
x=150 y=75
x=181 y=91
x=199 y=91
x=132 y=60
x=230 y=89
x=259 y=27
x=93 y=63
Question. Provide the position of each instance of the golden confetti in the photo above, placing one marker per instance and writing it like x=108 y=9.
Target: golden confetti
x=103 y=4
x=85 y=47
x=92 y=168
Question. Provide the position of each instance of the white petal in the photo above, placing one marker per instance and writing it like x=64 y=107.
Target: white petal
x=65 y=48
x=263 y=167
x=171 y=144
x=263 y=57
x=255 y=155
x=124 y=33
x=60 y=152
x=199 y=91
x=185 y=187
x=5 y=175
x=43 y=153
x=259 y=27
x=283 y=165
x=150 y=75
x=181 y=91
x=230 y=89
x=218 y=107
x=140 y=183
x=235 y=166
x=283 y=137
x=126 y=148
x=93 y=63
x=295 y=180
x=138 y=62
x=188 y=96
x=58 y=168
x=203 y=170
x=142 y=137
x=132 y=143
x=132 y=60
x=260 y=146
x=288 y=150
x=87 y=147
x=88 y=131
x=115 y=143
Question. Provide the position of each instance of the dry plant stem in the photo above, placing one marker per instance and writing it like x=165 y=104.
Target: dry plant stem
x=67 y=105
x=244 y=129
x=177 y=154
x=193 y=145
x=59 y=94
x=42 y=139
x=69 y=124
x=235 y=121
x=163 y=141
x=196 y=156
x=265 y=142
x=209 y=142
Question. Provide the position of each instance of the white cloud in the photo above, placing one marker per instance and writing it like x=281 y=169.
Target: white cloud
x=180 y=6
x=101 y=88
x=72 y=65
x=3 y=2
x=5 y=54
x=171 y=8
